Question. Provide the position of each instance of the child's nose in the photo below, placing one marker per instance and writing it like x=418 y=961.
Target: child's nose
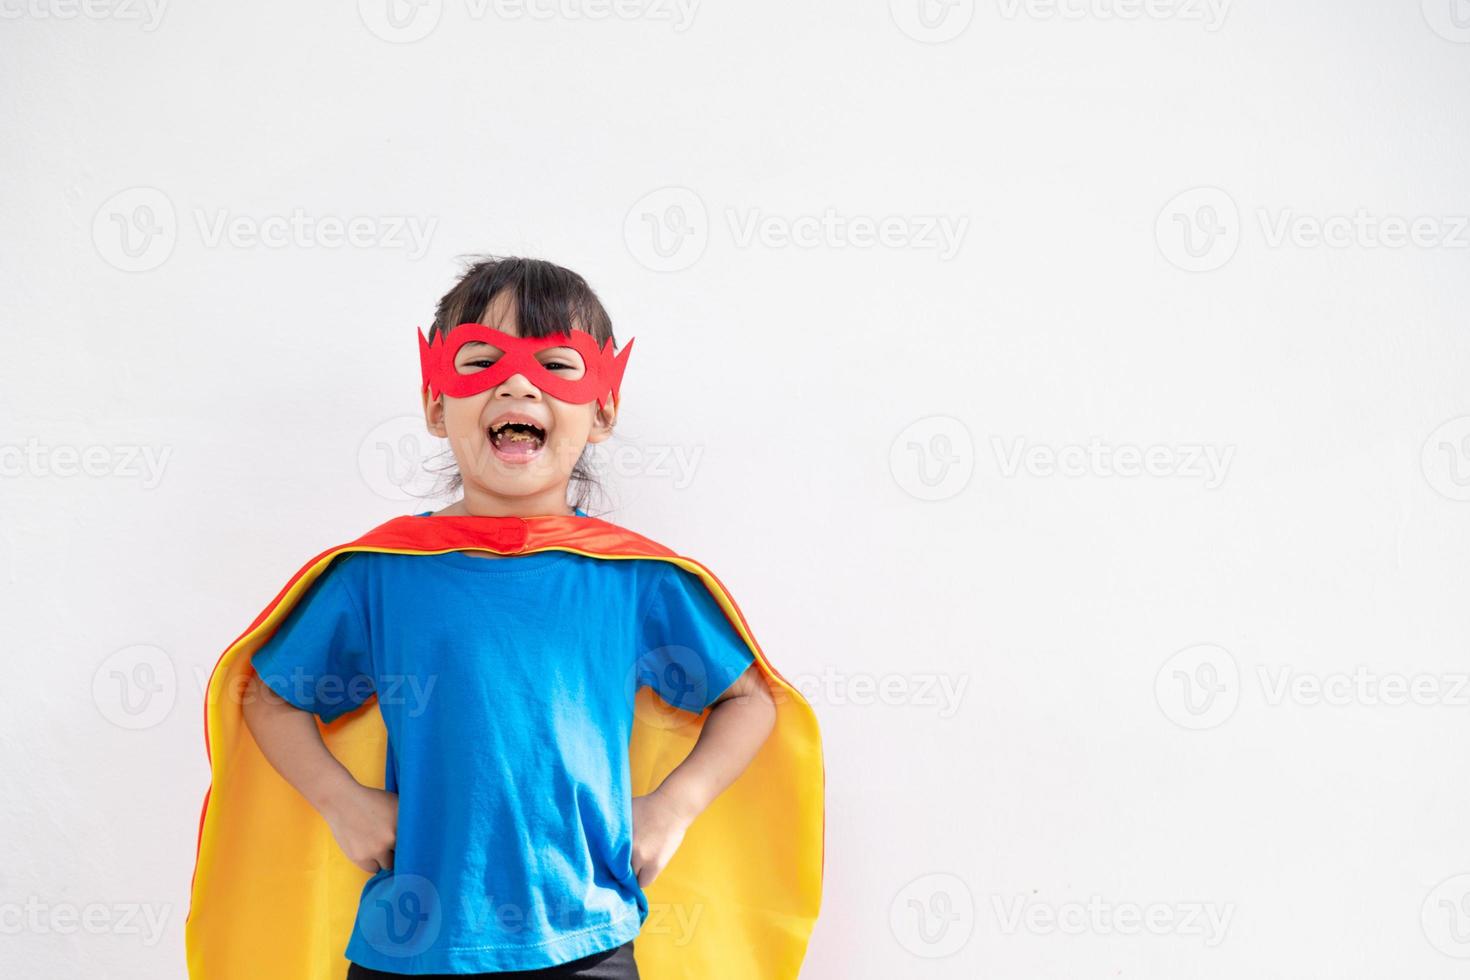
x=517 y=386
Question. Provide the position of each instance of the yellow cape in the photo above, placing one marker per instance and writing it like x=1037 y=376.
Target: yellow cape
x=274 y=898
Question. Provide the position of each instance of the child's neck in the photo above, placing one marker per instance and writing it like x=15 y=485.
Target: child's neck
x=481 y=504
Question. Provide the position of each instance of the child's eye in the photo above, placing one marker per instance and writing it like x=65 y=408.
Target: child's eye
x=483 y=362
x=556 y=364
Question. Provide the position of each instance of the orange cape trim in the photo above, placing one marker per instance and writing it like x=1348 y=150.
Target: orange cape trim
x=273 y=896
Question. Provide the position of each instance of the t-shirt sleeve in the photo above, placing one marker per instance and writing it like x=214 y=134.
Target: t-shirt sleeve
x=319 y=658
x=690 y=653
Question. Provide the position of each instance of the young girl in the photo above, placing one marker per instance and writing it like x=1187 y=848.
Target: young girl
x=464 y=699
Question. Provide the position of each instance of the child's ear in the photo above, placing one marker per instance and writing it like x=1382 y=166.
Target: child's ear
x=434 y=416
x=603 y=421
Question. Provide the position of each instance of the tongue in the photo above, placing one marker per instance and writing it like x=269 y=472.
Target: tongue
x=517 y=444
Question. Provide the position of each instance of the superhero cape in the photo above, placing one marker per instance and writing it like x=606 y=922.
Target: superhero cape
x=273 y=896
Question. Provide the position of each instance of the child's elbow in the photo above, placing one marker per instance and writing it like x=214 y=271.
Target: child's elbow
x=763 y=702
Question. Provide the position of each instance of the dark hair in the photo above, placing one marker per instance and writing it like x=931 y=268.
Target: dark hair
x=548 y=299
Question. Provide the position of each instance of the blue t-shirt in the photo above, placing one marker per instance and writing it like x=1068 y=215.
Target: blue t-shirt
x=507 y=687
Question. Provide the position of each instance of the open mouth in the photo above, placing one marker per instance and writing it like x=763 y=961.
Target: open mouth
x=517 y=442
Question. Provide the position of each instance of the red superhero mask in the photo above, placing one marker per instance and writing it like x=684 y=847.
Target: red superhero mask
x=602 y=371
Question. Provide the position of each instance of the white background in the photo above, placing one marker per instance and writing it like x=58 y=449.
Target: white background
x=854 y=434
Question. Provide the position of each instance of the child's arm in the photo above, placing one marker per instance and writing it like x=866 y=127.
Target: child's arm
x=738 y=724
x=362 y=819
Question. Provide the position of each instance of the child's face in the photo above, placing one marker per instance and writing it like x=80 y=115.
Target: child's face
x=515 y=468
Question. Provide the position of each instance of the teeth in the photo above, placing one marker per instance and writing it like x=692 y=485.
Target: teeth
x=517 y=432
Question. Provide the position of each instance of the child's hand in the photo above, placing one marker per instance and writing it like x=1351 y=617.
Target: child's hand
x=658 y=827
x=365 y=823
